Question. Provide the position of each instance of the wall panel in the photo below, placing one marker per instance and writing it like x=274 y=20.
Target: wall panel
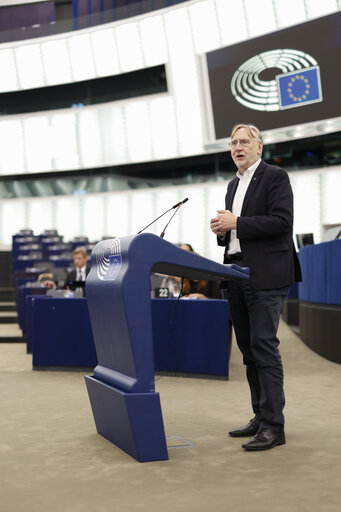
x=133 y=131
x=316 y=202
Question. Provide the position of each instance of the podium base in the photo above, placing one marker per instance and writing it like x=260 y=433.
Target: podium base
x=132 y=421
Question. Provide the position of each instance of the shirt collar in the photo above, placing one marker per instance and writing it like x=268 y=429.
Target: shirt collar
x=250 y=170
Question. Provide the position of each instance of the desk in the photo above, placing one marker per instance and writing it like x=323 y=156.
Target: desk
x=321 y=273
x=26 y=262
x=29 y=304
x=24 y=291
x=62 y=334
x=190 y=336
x=320 y=296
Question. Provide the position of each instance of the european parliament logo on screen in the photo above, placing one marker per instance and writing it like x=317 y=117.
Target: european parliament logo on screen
x=299 y=88
x=297 y=83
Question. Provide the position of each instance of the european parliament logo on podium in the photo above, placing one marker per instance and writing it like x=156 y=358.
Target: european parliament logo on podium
x=109 y=259
x=299 y=88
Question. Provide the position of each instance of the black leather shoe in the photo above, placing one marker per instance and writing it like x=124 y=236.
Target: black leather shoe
x=265 y=439
x=248 y=430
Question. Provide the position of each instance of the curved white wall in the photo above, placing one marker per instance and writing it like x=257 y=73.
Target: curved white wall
x=149 y=128
x=316 y=193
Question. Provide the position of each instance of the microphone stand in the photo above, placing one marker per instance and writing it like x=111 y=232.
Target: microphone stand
x=177 y=206
x=159 y=217
x=166 y=226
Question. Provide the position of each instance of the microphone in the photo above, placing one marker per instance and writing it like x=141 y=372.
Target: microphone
x=181 y=202
x=164 y=213
x=177 y=206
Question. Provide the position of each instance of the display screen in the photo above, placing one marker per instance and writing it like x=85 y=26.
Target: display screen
x=282 y=79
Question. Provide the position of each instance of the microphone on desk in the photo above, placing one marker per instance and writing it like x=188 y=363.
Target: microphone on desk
x=177 y=205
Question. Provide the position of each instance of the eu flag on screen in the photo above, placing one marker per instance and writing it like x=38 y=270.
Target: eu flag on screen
x=299 y=88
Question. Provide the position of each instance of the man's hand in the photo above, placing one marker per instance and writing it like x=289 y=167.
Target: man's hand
x=224 y=222
x=216 y=227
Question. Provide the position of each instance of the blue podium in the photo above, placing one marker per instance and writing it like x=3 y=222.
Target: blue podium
x=126 y=408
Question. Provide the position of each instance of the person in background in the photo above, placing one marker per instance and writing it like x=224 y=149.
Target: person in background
x=173 y=284
x=199 y=289
x=187 y=247
x=76 y=275
x=45 y=276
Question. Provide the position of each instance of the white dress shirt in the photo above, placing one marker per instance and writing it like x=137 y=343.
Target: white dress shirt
x=244 y=182
x=81 y=274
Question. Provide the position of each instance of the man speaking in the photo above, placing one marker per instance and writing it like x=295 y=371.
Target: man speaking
x=256 y=228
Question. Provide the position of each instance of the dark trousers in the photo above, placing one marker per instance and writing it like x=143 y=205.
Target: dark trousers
x=255 y=316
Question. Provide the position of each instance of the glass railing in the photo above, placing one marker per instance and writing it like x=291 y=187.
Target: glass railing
x=131 y=8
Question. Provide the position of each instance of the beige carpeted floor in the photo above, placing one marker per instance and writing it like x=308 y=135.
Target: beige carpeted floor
x=51 y=458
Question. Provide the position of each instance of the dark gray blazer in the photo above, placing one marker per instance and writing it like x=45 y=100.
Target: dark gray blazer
x=72 y=276
x=265 y=228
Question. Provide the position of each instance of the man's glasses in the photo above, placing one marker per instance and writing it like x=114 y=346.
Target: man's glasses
x=242 y=142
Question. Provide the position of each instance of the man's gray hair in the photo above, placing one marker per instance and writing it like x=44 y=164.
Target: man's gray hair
x=252 y=130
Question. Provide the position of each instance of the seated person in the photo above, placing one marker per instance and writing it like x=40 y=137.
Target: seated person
x=46 y=276
x=78 y=274
x=199 y=289
x=173 y=283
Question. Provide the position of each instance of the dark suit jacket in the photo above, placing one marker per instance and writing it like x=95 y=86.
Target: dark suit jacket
x=265 y=228
x=72 y=276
